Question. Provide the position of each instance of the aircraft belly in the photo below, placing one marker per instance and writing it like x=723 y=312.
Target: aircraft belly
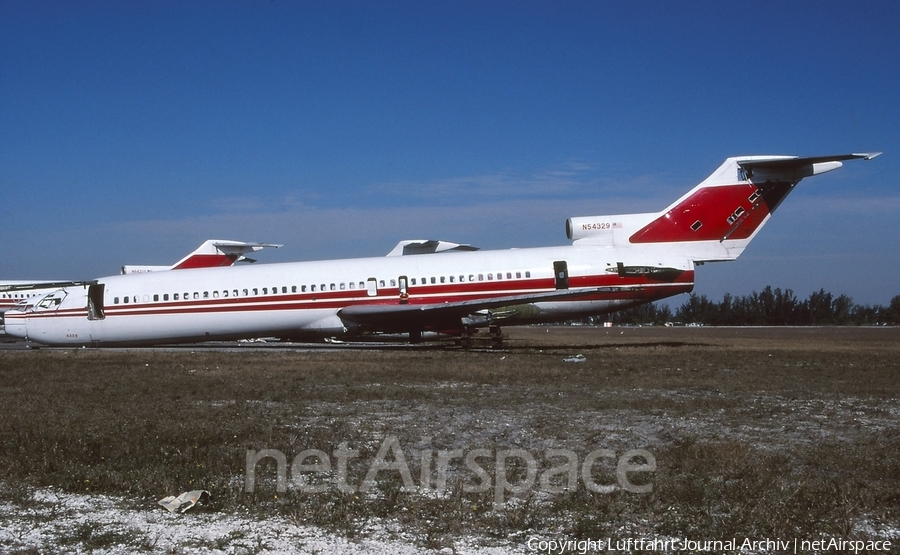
x=148 y=329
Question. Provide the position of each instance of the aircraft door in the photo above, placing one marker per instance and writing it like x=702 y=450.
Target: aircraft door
x=403 y=282
x=561 y=274
x=95 y=301
x=371 y=287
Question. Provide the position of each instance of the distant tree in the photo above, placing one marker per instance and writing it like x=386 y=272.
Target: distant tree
x=842 y=309
x=769 y=307
x=663 y=315
x=865 y=315
x=697 y=310
x=891 y=314
x=819 y=308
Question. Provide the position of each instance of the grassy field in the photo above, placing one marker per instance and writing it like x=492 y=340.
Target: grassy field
x=768 y=433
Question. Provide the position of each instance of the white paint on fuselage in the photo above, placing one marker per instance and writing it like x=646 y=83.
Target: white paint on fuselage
x=145 y=321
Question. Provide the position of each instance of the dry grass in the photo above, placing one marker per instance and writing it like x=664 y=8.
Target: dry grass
x=772 y=433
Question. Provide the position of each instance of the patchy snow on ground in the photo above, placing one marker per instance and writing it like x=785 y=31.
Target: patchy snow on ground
x=56 y=522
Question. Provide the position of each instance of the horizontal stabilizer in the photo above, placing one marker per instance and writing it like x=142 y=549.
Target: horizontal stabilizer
x=792 y=168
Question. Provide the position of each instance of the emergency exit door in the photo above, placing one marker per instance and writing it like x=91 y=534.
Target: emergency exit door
x=561 y=274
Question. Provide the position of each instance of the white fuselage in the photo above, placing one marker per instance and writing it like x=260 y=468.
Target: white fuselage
x=304 y=298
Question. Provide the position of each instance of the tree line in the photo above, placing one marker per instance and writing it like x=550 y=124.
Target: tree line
x=770 y=307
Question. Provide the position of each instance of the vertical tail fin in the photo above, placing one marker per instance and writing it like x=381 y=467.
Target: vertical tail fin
x=718 y=218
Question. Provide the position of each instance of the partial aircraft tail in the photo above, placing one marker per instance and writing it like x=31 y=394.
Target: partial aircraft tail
x=211 y=254
x=718 y=218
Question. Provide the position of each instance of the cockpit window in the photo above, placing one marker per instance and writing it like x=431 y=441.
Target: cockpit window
x=48 y=302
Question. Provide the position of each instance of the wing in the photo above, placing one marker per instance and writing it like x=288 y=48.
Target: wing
x=29 y=286
x=449 y=315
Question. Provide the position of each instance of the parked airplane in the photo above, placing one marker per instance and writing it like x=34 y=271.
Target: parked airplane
x=210 y=254
x=615 y=262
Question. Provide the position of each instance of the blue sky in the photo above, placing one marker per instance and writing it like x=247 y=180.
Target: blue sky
x=131 y=132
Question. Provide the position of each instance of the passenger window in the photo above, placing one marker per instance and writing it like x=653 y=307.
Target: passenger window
x=155 y=298
x=508 y=275
x=284 y=289
x=433 y=280
x=528 y=274
x=216 y=294
x=381 y=283
x=303 y=289
x=480 y=277
x=116 y=300
x=352 y=285
x=165 y=296
x=255 y=291
x=332 y=287
x=265 y=290
x=471 y=277
x=452 y=279
x=322 y=287
x=443 y=279
x=126 y=299
x=490 y=277
x=343 y=286
x=518 y=275
x=135 y=299
x=246 y=292
x=206 y=294
x=362 y=285
x=312 y=287
x=412 y=281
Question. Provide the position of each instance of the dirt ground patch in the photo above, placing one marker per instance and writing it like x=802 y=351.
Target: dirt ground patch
x=724 y=432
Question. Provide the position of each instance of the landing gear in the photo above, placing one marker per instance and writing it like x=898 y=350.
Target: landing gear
x=496 y=337
x=465 y=338
x=470 y=338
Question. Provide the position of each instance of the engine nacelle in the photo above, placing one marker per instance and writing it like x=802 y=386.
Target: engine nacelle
x=590 y=226
x=606 y=230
